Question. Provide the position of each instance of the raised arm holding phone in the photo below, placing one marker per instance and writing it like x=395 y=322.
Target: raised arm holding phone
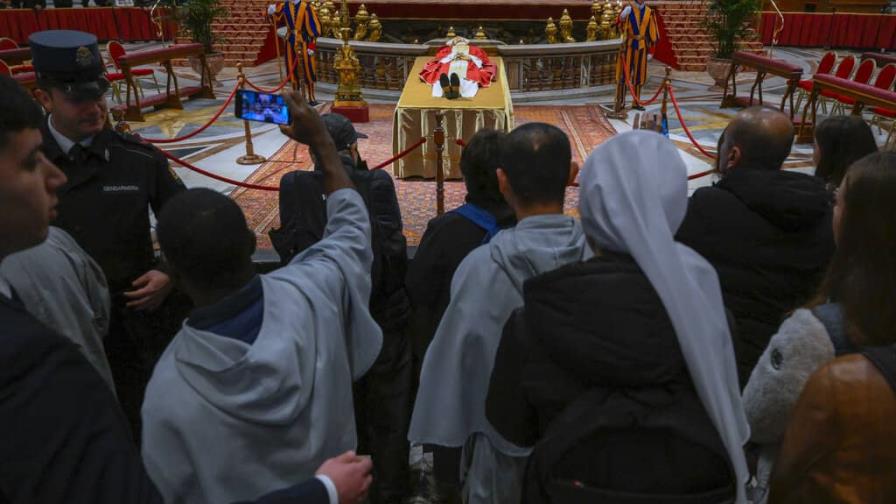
x=265 y=362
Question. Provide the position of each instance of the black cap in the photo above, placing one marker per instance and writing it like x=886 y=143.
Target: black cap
x=69 y=60
x=341 y=130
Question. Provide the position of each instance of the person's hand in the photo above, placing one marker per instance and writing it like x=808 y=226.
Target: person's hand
x=306 y=127
x=350 y=475
x=150 y=291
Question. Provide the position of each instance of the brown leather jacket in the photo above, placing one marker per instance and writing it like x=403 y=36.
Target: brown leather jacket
x=840 y=445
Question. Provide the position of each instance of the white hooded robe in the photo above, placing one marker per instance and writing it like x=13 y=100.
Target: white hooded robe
x=225 y=421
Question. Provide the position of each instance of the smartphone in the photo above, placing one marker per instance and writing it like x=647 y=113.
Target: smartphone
x=261 y=107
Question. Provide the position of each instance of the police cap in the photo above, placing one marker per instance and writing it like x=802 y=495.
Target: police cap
x=69 y=60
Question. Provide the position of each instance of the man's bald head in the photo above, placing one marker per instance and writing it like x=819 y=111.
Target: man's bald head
x=758 y=137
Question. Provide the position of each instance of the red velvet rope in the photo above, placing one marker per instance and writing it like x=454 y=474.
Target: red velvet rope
x=198 y=131
x=701 y=174
x=400 y=155
x=218 y=177
x=263 y=90
x=631 y=89
x=247 y=185
x=685 y=127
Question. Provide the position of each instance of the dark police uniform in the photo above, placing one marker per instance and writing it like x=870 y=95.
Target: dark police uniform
x=112 y=182
x=104 y=203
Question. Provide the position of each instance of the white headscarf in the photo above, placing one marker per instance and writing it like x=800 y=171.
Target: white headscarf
x=633 y=199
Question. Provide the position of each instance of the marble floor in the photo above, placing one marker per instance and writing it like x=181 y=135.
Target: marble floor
x=217 y=148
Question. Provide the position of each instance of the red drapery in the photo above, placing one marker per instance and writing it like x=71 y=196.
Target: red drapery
x=839 y=30
x=127 y=24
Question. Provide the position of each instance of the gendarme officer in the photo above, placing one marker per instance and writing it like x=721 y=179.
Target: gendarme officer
x=113 y=180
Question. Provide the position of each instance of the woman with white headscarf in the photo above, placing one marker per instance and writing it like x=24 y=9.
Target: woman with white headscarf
x=620 y=370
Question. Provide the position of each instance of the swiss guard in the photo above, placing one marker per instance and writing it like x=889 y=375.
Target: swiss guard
x=637 y=23
x=302 y=30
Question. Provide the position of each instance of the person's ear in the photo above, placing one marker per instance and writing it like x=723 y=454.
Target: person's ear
x=504 y=184
x=573 y=173
x=734 y=157
x=45 y=99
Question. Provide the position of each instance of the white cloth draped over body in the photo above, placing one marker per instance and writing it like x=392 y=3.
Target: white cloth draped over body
x=225 y=421
x=633 y=199
x=459 y=66
x=487 y=287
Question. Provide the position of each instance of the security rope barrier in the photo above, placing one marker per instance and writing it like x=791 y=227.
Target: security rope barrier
x=247 y=185
x=201 y=129
x=684 y=126
x=631 y=89
x=266 y=90
x=406 y=151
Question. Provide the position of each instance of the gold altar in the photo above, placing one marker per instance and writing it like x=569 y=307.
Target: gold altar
x=415 y=117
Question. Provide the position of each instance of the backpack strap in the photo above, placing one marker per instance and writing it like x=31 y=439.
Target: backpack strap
x=831 y=317
x=481 y=218
x=884 y=359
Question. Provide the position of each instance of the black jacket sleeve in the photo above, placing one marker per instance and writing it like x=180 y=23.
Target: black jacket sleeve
x=64 y=438
x=506 y=406
x=309 y=492
x=385 y=211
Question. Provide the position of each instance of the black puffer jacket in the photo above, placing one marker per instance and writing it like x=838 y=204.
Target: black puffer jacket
x=590 y=372
x=768 y=234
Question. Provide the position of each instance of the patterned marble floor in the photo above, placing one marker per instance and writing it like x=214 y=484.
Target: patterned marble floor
x=216 y=148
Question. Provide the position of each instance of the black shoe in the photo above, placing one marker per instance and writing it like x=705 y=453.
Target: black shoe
x=638 y=107
x=455 y=85
x=314 y=103
x=446 y=86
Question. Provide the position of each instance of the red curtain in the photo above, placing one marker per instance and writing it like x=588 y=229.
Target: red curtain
x=664 y=52
x=127 y=24
x=848 y=31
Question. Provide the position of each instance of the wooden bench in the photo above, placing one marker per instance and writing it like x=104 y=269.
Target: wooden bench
x=763 y=65
x=863 y=94
x=133 y=106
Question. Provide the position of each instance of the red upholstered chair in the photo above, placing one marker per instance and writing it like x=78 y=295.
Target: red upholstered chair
x=116 y=51
x=8 y=43
x=4 y=69
x=844 y=70
x=884 y=80
x=862 y=76
x=880 y=113
x=825 y=65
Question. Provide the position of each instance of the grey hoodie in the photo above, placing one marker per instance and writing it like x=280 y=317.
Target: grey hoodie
x=226 y=421
x=486 y=288
x=65 y=289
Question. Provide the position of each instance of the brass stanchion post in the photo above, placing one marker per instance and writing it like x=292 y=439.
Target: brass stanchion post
x=251 y=157
x=667 y=81
x=277 y=46
x=438 y=136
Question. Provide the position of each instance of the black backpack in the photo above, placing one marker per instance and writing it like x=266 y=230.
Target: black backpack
x=303 y=218
x=567 y=436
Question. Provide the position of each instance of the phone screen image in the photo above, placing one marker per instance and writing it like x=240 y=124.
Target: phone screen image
x=261 y=107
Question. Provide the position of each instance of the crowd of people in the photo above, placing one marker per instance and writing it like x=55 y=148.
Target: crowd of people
x=736 y=345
